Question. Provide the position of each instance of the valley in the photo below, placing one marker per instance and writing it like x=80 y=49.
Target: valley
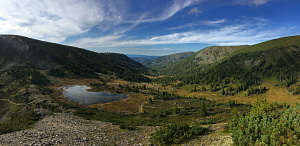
x=201 y=97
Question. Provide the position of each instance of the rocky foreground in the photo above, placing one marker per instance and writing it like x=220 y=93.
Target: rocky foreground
x=67 y=129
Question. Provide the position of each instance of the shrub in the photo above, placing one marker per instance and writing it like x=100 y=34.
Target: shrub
x=205 y=122
x=126 y=126
x=202 y=110
x=176 y=133
x=265 y=125
x=20 y=122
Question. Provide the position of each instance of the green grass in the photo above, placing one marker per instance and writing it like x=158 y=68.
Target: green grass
x=162 y=112
x=20 y=122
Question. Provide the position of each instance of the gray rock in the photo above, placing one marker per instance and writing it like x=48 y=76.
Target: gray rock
x=41 y=112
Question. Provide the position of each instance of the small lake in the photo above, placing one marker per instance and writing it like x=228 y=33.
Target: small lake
x=80 y=94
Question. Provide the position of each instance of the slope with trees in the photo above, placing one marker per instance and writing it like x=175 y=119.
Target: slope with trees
x=18 y=51
x=277 y=60
x=199 y=60
x=165 y=61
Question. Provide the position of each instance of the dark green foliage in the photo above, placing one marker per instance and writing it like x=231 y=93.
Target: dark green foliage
x=150 y=100
x=202 y=109
x=27 y=73
x=39 y=79
x=266 y=125
x=126 y=126
x=232 y=103
x=176 y=133
x=19 y=122
x=168 y=96
x=205 y=122
x=57 y=72
x=256 y=90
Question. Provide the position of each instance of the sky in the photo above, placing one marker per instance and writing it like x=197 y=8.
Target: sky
x=150 y=27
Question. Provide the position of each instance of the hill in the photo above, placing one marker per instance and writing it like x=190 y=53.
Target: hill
x=61 y=59
x=29 y=68
x=199 y=60
x=276 y=60
x=144 y=59
x=164 y=61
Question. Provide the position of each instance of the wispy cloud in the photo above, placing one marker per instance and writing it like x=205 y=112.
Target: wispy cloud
x=185 y=26
x=195 y=11
x=56 y=20
x=214 y=22
x=251 y=2
x=229 y=35
x=175 y=7
x=96 y=42
x=239 y=34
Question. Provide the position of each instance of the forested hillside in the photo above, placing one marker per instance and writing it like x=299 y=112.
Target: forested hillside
x=244 y=70
x=66 y=60
x=199 y=60
x=165 y=61
x=144 y=59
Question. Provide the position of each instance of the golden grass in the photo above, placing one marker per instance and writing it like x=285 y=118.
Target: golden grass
x=128 y=105
x=274 y=94
x=135 y=100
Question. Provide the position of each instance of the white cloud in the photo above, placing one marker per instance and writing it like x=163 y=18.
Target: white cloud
x=228 y=35
x=177 y=6
x=171 y=10
x=195 y=11
x=214 y=22
x=251 y=2
x=188 y=25
x=95 y=42
x=240 y=34
x=56 y=20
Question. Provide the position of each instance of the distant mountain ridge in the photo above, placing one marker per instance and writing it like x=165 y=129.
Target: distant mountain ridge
x=144 y=59
x=164 y=61
x=200 y=60
x=23 y=51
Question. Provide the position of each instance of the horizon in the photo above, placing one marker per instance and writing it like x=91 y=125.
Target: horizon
x=140 y=55
x=151 y=28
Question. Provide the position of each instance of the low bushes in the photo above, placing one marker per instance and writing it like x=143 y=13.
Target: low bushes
x=266 y=125
x=20 y=122
x=176 y=133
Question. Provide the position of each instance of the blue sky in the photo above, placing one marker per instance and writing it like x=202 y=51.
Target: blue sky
x=150 y=27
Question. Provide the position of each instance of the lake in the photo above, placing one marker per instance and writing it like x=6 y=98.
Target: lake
x=80 y=94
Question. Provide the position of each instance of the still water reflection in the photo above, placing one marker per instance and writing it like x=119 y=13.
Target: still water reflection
x=80 y=94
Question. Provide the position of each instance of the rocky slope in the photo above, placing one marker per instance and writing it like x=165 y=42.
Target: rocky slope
x=199 y=60
x=66 y=129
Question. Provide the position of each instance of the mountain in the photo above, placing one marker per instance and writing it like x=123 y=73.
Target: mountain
x=61 y=59
x=277 y=60
x=28 y=66
x=164 y=61
x=135 y=55
x=199 y=60
x=144 y=59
